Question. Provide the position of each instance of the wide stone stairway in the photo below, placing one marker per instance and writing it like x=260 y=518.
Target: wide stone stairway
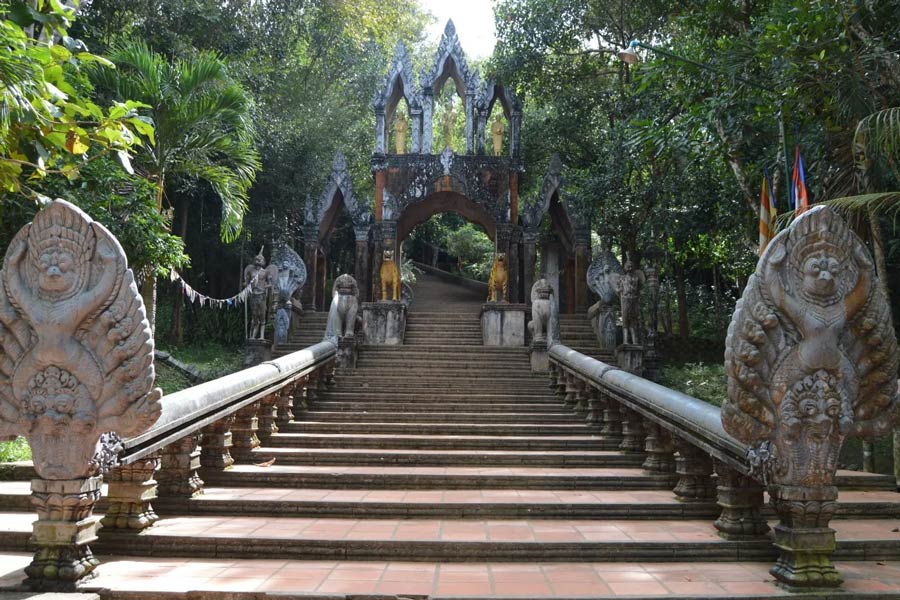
x=443 y=468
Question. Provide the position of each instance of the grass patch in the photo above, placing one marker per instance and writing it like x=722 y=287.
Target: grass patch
x=14 y=451
x=171 y=380
x=211 y=359
x=704 y=381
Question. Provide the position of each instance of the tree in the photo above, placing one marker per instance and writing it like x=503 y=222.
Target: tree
x=202 y=131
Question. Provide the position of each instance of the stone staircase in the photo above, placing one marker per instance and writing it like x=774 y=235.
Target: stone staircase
x=575 y=331
x=443 y=468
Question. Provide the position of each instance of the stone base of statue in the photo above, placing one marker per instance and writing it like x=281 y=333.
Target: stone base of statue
x=803 y=538
x=503 y=324
x=64 y=528
x=257 y=352
x=652 y=368
x=384 y=323
x=346 y=353
x=630 y=357
x=603 y=322
x=540 y=356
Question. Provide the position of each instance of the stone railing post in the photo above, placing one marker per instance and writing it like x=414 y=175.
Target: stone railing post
x=612 y=420
x=694 y=468
x=571 y=388
x=131 y=489
x=179 y=463
x=811 y=357
x=268 y=417
x=596 y=404
x=659 y=448
x=285 y=403
x=243 y=432
x=632 y=431
x=581 y=397
x=215 y=453
x=741 y=501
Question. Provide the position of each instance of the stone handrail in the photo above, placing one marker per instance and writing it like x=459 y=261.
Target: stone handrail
x=191 y=409
x=684 y=416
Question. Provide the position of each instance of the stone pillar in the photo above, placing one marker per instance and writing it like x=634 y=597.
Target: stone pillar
x=380 y=177
x=416 y=120
x=560 y=385
x=322 y=298
x=300 y=394
x=651 y=272
x=384 y=322
x=694 y=468
x=216 y=449
x=632 y=431
x=582 y=262
x=503 y=324
x=512 y=264
x=540 y=356
x=310 y=250
x=179 y=463
x=243 y=432
x=427 y=118
x=131 y=489
x=659 y=448
x=581 y=397
x=802 y=536
x=469 y=102
x=361 y=267
x=529 y=259
x=571 y=390
x=741 y=501
x=515 y=129
x=65 y=527
x=481 y=132
x=630 y=357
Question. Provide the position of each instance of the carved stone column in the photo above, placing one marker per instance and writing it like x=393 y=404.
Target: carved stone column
x=632 y=431
x=694 y=468
x=741 y=501
x=64 y=528
x=215 y=454
x=268 y=416
x=285 y=404
x=803 y=537
x=361 y=269
x=310 y=256
x=131 y=489
x=243 y=432
x=529 y=259
x=571 y=388
x=581 y=397
x=659 y=448
x=596 y=404
x=612 y=420
x=180 y=461
x=651 y=355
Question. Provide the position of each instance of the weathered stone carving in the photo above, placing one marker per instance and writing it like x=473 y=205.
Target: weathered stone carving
x=260 y=279
x=291 y=278
x=76 y=361
x=344 y=306
x=811 y=357
x=390 y=277
x=498 y=284
x=603 y=278
x=629 y=287
x=541 y=300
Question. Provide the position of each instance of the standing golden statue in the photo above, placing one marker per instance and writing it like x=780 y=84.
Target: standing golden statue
x=401 y=126
x=498 y=129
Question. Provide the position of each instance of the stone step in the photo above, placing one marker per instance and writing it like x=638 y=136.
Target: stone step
x=425 y=458
x=330 y=404
x=440 y=417
x=438 y=442
x=475 y=428
x=492 y=504
x=443 y=346
x=440 y=477
x=451 y=539
x=365 y=394
x=411 y=364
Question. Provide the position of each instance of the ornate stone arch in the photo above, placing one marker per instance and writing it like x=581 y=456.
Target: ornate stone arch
x=322 y=214
x=449 y=63
x=441 y=202
x=399 y=83
x=550 y=201
x=512 y=110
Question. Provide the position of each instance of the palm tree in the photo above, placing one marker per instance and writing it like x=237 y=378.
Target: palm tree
x=203 y=130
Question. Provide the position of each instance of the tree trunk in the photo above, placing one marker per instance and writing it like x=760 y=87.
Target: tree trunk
x=681 y=296
x=176 y=331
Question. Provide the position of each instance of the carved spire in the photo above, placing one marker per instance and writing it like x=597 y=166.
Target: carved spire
x=400 y=69
x=450 y=48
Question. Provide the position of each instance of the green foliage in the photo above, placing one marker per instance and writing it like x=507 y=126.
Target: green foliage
x=48 y=122
x=474 y=249
x=203 y=130
x=15 y=450
x=704 y=381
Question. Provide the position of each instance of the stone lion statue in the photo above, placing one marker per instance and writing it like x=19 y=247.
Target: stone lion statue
x=344 y=306
x=541 y=310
